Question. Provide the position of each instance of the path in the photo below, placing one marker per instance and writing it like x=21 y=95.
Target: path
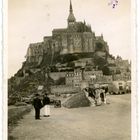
x=108 y=122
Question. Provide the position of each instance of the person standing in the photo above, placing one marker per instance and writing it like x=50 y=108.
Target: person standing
x=46 y=104
x=37 y=105
x=102 y=95
x=97 y=96
x=90 y=95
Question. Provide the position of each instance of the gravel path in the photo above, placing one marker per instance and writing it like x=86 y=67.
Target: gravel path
x=108 y=122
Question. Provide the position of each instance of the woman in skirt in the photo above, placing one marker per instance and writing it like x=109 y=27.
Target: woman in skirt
x=46 y=103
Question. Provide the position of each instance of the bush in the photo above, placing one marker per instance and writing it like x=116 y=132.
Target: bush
x=16 y=113
x=12 y=100
x=106 y=70
x=60 y=81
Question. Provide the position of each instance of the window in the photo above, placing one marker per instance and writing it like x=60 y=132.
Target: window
x=120 y=83
x=120 y=87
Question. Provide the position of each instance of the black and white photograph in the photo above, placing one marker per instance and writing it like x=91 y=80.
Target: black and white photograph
x=70 y=70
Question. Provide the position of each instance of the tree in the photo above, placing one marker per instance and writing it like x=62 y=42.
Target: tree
x=71 y=64
x=60 y=81
x=99 y=47
x=100 y=62
x=106 y=70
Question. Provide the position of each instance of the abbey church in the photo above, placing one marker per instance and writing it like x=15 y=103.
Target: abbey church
x=78 y=37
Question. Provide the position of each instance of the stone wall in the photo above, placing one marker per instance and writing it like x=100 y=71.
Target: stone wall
x=105 y=79
x=65 y=41
x=57 y=75
x=77 y=43
x=123 y=76
x=64 y=44
x=63 y=89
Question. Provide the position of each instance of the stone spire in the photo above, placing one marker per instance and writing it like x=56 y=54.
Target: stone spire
x=102 y=35
x=71 y=17
x=71 y=10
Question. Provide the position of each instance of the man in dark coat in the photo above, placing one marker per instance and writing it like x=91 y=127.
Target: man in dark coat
x=91 y=92
x=37 y=105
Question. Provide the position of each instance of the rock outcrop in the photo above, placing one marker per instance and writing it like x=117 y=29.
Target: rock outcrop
x=77 y=100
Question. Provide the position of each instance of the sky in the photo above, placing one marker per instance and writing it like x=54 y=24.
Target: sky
x=30 y=20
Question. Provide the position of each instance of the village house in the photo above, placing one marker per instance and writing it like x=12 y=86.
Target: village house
x=76 y=77
x=122 y=76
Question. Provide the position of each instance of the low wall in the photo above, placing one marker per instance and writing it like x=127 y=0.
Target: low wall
x=57 y=75
x=63 y=89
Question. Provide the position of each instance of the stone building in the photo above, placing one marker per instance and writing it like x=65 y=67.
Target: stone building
x=88 y=75
x=123 y=76
x=122 y=63
x=110 y=60
x=69 y=78
x=76 y=77
x=77 y=37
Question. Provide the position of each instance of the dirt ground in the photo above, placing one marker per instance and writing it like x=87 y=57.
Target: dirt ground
x=107 y=122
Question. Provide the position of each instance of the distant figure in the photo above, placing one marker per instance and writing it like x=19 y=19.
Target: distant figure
x=106 y=90
x=127 y=89
x=37 y=105
x=103 y=95
x=46 y=104
x=97 y=96
x=90 y=94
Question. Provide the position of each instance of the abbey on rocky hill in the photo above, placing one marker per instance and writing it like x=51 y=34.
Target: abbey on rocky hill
x=76 y=38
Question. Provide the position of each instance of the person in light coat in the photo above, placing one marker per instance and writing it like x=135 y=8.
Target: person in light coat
x=46 y=104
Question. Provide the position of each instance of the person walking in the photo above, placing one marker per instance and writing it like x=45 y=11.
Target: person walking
x=37 y=105
x=46 y=104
